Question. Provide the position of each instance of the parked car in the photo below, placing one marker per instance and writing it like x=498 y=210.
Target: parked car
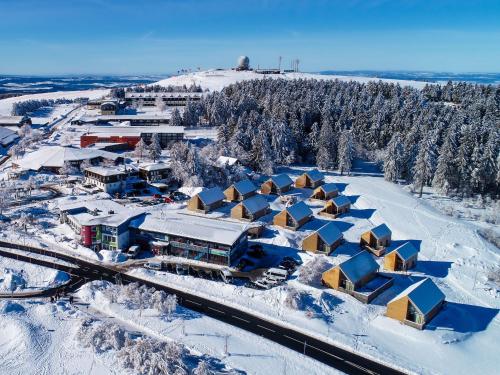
x=263 y=284
x=153 y=266
x=157 y=196
x=133 y=251
x=181 y=269
x=168 y=200
x=287 y=265
x=276 y=274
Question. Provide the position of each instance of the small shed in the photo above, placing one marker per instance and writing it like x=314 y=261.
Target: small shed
x=377 y=239
x=401 y=258
x=278 y=184
x=206 y=200
x=324 y=240
x=240 y=190
x=250 y=209
x=325 y=192
x=293 y=217
x=336 y=207
x=311 y=179
x=417 y=304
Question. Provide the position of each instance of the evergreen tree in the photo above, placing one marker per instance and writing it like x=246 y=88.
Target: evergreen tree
x=262 y=154
x=155 y=148
x=140 y=149
x=425 y=163
x=325 y=158
x=346 y=152
x=445 y=177
x=394 y=159
x=176 y=119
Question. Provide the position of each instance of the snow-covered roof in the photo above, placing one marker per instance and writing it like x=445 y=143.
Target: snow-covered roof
x=406 y=250
x=329 y=233
x=100 y=212
x=138 y=95
x=7 y=136
x=281 y=180
x=56 y=156
x=131 y=117
x=190 y=226
x=226 y=160
x=118 y=130
x=315 y=175
x=341 y=201
x=154 y=166
x=329 y=188
x=245 y=187
x=381 y=231
x=359 y=266
x=11 y=120
x=255 y=204
x=425 y=295
x=299 y=211
x=211 y=196
x=105 y=171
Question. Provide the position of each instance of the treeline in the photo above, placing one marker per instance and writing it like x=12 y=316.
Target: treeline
x=29 y=106
x=444 y=136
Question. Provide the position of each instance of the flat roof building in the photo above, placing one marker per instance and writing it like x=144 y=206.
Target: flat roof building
x=14 y=121
x=149 y=99
x=133 y=119
x=193 y=237
x=131 y=135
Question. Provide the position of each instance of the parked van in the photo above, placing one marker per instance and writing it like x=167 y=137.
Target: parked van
x=226 y=276
x=276 y=274
x=153 y=266
x=133 y=251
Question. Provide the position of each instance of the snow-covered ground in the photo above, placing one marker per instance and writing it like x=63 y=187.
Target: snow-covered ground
x=20 y=276
x=215 y=80
x=6 y=104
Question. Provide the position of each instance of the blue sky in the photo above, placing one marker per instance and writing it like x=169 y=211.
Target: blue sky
x=162 y=36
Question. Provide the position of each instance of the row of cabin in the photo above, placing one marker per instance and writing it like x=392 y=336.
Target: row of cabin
x=359 y=276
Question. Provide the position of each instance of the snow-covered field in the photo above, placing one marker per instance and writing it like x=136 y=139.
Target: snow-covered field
x=215 y=80
x=20 y=276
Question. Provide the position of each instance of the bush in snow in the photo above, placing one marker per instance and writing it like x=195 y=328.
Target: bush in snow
x=310 y=273
x=203 y=368
x=293 y=298
x=101 y=337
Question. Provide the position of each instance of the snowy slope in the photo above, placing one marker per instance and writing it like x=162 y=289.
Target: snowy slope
x=215 y=80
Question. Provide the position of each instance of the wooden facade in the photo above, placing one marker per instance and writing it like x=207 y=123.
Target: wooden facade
x=374 y=244
x=195 y=204
x=311 y=180
x=417 y=305
x=285 y=220
x=240 y=212
x=395 y=262
x=320 y=194
x=331 y=209
x=276 y=185
x=233 y=195
x=315 y=244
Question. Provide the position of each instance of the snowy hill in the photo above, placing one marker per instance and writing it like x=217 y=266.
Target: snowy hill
x=215 y=80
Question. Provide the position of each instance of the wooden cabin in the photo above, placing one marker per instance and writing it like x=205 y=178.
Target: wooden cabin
x=357 y=276
x=377 y=239
x=293 y=217
x=336 y=207
x=325 y=192
x=417 y=304
x=250 y=209
x=325 y=240
x=352 y=273
x=402 y=258
x=311 y=179
x=240 y=191
x=206 y=200
x=278 y=185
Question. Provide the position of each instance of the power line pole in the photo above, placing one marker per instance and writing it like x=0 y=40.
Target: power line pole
x=279 y=64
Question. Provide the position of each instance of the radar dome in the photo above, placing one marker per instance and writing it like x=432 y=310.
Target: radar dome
x=243 y=63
